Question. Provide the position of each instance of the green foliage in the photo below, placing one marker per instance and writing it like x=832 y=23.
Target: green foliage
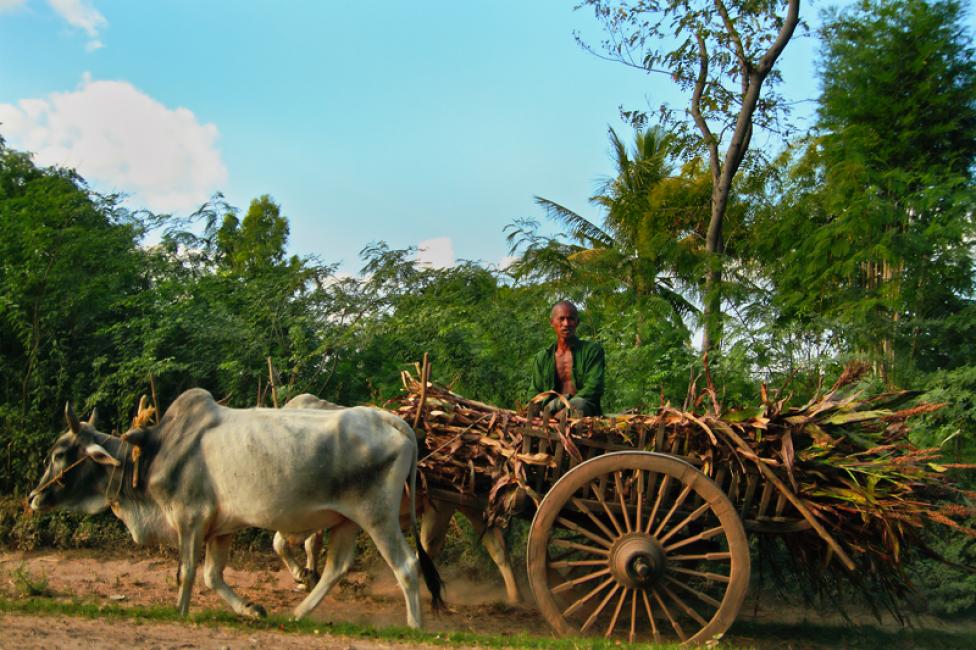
x=28 y=585
x=948 y=590
x=646 y=245
x=68 y=259
x=953 y=427
x=22 y=530
x=871 y=236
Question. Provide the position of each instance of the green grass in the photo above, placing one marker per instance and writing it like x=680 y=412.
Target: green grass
x=48 y=607
x=742 y=635
x=27 y=584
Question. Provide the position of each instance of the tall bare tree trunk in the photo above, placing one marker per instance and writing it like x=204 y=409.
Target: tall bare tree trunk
x=723 y=171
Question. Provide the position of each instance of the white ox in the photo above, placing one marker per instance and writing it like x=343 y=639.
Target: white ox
x=434 y=525
x=207 y=471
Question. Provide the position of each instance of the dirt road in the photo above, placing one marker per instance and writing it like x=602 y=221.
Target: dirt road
x=138 y=578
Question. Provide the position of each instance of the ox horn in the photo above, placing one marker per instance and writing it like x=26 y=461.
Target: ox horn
x=93 y=418
x=69 y=414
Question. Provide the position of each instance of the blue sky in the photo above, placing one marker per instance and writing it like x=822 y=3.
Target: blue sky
x=410 y=122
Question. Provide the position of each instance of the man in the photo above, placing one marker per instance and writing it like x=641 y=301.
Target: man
x=572 y=367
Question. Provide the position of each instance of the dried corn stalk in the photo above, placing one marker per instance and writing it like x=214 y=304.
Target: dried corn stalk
x=841 y=461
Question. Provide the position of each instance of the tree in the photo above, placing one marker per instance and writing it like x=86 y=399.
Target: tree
x=68 y=260
x=722 y=51
x=873 y=229
x=639 y=247
x=256 y=243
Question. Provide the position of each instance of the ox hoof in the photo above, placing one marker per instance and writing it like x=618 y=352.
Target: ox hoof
x=309 y=579
x=254 y=610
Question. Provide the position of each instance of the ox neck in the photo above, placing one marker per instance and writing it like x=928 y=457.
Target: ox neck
x=144 y=520
x=125 y=480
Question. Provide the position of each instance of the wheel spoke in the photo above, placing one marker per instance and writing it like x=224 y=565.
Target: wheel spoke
x=576 y=528
x=569 y=584
x=665 y=484
x=599 y=608
x=650 y=617
x=702 y=509
x=565 y=543
x=640 y=499
x=705 y=534
x=618 y=483
x=606 y=509
x=705 y=598
x=674 y=623
x=582 y=601
x=677 y=504
x=616 y=613
x=567 y=564
x=707 y=575
x=596 y=520
x=684 y=606
x=708 y=557
x=633 y=616
x=651 y=482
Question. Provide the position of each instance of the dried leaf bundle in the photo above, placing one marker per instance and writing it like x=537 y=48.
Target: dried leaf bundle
x=837 y=477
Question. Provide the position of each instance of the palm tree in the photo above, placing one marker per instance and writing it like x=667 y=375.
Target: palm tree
x=625 y=251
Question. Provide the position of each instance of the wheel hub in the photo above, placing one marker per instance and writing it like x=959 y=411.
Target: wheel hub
x=637 y=560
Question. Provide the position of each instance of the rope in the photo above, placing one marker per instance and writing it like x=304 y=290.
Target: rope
x=118 y=491
x=60 y=475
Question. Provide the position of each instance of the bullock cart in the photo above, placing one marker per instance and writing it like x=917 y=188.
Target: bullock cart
x=640 y=524
x=637 y=540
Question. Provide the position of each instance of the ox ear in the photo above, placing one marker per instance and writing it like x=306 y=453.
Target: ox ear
x=135 y=437
x=100 y=455
x=92 y=418
x=69 y=414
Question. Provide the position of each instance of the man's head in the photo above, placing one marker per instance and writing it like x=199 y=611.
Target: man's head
x=564 y=318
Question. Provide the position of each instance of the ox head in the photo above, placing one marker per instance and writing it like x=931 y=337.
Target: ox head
x=75 y=476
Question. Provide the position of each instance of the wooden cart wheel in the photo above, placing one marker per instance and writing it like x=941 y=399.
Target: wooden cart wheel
x=640 y=546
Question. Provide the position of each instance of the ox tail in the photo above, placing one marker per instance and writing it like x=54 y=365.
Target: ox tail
x=435 y=585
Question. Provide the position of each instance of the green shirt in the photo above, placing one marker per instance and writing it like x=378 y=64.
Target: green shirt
x=588 y=369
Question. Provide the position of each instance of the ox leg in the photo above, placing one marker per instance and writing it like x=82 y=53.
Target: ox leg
x=190 y=547
x=393 y=546
x=307 y=576
x=213 y=575
x=494 y=542
x=342 y=548
x=434 y=525
x=313 y=549
x=284 y=550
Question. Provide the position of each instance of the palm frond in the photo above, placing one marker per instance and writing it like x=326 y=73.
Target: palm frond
x=580 y=228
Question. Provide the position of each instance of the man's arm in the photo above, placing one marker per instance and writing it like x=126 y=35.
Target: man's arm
x=594 y=366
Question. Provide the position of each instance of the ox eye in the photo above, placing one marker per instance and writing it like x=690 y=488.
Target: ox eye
x=58 y=456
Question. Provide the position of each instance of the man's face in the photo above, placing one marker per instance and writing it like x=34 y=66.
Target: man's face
x=564 y=321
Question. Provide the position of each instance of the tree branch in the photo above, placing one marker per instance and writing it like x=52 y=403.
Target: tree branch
x=696 y=112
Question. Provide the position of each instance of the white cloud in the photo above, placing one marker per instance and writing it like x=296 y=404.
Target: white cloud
x=437 y=253
x=10 y=5
x=507 y=261
x=81 y=14
x=121 y=139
